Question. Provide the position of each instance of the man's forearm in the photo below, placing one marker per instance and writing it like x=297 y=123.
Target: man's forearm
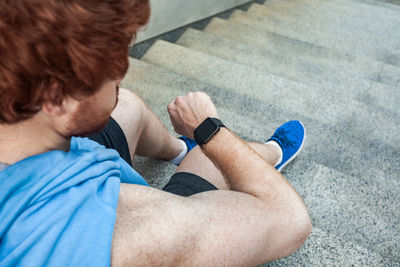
x=245 y=170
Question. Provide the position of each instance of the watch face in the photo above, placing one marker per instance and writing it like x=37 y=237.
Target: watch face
x=206 y=130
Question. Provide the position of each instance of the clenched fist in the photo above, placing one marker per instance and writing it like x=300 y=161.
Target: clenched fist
x=187 y=112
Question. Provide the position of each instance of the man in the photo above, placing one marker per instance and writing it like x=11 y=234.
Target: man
x=69 y=201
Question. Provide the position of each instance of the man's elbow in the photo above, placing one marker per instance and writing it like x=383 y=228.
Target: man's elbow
x=291 y=230
x=304 y=230
x=300 y=230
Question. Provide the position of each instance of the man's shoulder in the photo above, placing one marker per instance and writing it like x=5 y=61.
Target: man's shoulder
x=85 y=144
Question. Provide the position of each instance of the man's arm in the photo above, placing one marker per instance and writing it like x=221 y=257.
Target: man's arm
x=261 y=220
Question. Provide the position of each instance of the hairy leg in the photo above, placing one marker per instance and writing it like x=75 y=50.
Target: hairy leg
x=145 y=133
x=197 y=162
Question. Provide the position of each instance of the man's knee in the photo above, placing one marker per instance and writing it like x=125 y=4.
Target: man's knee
x=289 y=231
x=130 y=102
x=304 y=230
x=129 y=114
x=130 y=108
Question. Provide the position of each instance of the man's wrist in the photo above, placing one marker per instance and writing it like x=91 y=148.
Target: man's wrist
x=206 y=130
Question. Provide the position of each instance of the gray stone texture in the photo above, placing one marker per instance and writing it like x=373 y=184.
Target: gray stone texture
x=325 y=249
x=333 y=79
x=281 y=45
x=277 y=17
x=371 y=223
x=390 y=4
x=340 y=24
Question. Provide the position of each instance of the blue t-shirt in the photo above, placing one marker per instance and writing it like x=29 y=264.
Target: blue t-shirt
x=59 y=208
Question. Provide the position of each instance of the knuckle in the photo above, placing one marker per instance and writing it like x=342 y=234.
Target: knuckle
x=203 y=94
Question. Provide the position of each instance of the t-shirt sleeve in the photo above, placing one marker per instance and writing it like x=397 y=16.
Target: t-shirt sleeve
x=71 y=228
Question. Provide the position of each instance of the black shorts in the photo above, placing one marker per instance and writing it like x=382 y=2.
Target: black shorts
x=181 y=183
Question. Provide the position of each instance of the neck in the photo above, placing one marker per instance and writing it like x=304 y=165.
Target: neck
x=29 y=138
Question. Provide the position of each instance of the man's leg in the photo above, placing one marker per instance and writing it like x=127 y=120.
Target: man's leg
x=196 y=162
x=279 y=150
x=145 y=134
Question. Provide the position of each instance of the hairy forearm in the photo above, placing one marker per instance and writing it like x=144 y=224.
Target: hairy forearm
x=244 y=169
x=287 y=223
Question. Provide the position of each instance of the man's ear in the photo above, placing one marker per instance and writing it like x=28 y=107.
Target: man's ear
x=68 y=105
x=54 y=103
x=53 y=109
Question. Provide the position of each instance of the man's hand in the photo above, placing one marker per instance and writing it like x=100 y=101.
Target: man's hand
x=188 y=112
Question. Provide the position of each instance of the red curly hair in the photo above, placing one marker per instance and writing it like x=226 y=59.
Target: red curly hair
x=50 y=49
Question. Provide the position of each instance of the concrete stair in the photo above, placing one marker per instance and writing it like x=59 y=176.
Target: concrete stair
x=283 y=45
x=327 y=77
x=340 y=24
x=349 y=170
x=277 y=17
x=390 y=4
x=262 y=17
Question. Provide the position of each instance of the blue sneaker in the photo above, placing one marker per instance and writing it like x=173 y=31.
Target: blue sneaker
x=290 y=137
x=190 y=143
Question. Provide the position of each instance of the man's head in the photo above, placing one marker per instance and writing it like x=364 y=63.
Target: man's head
x=55 y=51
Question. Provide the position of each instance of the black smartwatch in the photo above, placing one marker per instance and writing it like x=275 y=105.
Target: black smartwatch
x=206 y=130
